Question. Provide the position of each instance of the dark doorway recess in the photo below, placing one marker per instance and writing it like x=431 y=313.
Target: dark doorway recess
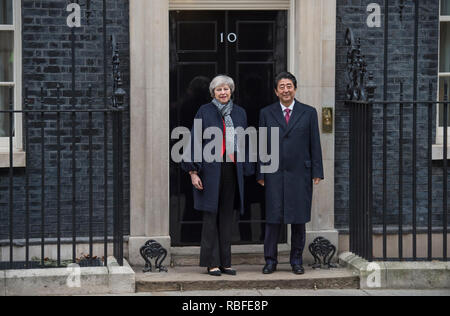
x=249 y=46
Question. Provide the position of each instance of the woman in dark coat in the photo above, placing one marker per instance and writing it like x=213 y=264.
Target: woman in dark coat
x=215 y=183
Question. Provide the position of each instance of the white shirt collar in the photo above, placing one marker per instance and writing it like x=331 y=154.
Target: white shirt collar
x=291 y=107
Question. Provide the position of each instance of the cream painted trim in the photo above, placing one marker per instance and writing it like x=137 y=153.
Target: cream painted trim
x=19 y=159
x=7 y=27
x=291 y=37
x=438 y=151
x=17 y=84
x=229 y=4
x=18 y=118
x=438 y=148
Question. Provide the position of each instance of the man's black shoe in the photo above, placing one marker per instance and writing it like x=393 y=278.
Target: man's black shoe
x=269 y=268
x=298 y=269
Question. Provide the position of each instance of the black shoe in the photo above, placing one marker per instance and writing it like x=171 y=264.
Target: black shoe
x=269 y=268
x=216 y=273
x=298 y=269
x=228 y=271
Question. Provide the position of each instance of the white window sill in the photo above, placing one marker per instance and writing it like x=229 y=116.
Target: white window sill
x=438 y=152
x=19 y=159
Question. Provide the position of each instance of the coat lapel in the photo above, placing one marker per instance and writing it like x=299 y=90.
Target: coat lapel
x=298 y=112
x=278 y=114
x=236 y=118
x=217 y=117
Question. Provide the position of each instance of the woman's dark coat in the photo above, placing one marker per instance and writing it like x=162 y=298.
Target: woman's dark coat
x=289 y=190
x=208 y=199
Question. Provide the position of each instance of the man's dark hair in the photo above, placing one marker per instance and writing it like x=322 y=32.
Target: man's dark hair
x=285 y=75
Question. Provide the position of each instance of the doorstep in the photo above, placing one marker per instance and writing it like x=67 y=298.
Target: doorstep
x=190 y=278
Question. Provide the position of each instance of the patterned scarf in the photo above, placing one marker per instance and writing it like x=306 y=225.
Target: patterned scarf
x=231 y=137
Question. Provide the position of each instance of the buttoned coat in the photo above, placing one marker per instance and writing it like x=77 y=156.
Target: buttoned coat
x=289 y=190
x=207 y=200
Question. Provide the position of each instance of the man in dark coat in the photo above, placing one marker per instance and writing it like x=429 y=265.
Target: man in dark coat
x=289 y=189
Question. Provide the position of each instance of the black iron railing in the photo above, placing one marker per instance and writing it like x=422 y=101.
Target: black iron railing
x=67 y=185
x=395 y=187
x=70 y=189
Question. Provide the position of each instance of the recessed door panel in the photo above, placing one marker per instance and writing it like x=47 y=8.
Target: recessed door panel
x=256 y=36
x=189 y=33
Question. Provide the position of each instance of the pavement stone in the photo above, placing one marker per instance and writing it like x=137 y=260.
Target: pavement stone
x=292 y=293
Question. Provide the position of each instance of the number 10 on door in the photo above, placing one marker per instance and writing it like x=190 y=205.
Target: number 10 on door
x=231 y=38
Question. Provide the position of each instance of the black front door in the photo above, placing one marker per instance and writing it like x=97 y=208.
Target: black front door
x=250 y=47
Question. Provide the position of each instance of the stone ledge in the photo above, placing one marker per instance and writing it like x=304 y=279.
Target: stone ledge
x=112 y=279
x=122 y=280
x=438 y=152
x=248 y=277
x=19 y=159
x=398 y=275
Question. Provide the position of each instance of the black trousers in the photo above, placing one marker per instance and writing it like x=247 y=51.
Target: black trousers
x=218 y=227
x=298 y=242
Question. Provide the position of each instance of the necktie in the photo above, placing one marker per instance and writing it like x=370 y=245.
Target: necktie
x=288 y=115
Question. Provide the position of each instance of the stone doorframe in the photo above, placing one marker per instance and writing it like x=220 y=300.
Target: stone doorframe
x=312 y=51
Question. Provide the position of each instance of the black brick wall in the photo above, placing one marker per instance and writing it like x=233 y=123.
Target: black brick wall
x=352 y=13
x=47 y=61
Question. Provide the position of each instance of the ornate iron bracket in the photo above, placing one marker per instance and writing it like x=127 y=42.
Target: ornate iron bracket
x=119 y=94
x=356 y=68
x=358 y=87
x=322 y=248
x=152 y=250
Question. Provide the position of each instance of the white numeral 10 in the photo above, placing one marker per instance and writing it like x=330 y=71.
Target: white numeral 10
x=232 y=37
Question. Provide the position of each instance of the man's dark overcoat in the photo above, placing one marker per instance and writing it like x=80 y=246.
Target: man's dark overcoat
x=289 y=190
